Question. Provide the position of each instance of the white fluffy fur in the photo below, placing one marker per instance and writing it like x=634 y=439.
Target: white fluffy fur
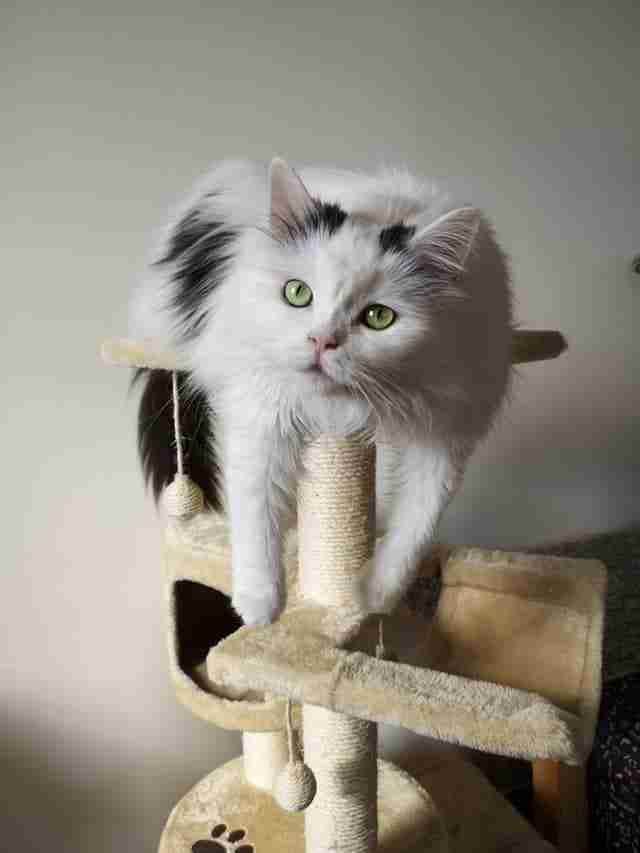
x=426 y=389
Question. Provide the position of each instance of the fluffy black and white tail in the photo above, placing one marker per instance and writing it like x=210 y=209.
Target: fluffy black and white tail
x=156 y=434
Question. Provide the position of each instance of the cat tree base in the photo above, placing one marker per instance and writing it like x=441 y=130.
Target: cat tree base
x=465 y=815
x=407 y=817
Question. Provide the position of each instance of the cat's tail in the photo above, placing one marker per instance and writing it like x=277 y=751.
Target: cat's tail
x=156 y=434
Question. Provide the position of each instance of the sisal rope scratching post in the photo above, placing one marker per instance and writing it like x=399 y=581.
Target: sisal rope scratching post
x=336 y=500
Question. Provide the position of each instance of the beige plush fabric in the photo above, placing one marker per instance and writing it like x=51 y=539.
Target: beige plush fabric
x=407 y=817
x=198 y=549
x=146 y=353
x=524 y=621
x=462 y=813
x=228 y=709
x=531 y=622
x=209 y=566
x=295 y=658
x=477 y=818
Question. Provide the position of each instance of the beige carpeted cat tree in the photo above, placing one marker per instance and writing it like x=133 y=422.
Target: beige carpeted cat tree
x=508 y=664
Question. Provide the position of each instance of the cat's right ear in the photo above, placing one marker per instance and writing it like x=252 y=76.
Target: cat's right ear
x=289 y=200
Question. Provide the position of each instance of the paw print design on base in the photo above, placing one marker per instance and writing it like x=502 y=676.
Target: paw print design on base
x=223 y=842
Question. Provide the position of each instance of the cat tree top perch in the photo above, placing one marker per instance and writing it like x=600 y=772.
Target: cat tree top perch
x=509 y=664
x=527 y=346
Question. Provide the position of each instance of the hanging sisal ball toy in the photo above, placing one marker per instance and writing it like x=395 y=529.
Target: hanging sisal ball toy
x=295 y=785
x=182 y=498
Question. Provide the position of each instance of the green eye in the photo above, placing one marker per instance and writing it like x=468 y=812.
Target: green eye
x=378 y=317
x=297 y=293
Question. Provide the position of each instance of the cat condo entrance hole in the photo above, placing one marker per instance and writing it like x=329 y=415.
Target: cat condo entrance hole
x=203 y=617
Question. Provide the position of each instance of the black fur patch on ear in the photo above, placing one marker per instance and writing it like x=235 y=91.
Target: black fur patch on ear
x=324 y=217
x=395 y=237
x=156 y=437
x=200 y=250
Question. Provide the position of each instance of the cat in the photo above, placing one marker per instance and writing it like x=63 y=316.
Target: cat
x=324 y=301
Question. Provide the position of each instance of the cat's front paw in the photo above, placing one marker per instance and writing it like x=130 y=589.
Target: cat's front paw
x=372 y=594
x=376 y=595
x=258 y=607
x=382 y=585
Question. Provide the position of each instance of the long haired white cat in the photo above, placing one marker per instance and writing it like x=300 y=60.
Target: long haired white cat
x=324 y=302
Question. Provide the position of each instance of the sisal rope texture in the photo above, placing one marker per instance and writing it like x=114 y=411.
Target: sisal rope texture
x=336 y=500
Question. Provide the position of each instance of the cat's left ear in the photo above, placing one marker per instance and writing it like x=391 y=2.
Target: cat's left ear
x=290 y=201
x=446 y=243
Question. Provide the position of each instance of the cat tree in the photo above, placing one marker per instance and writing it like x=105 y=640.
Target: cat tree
x=508 y=664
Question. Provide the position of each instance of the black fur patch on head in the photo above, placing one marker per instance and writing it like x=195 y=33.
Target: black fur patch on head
x=156 y=436
x=184 y=237
x=199 y=249
x=324 y=217
x=395 y=237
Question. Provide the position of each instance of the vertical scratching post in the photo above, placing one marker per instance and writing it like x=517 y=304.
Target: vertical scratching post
x=336 y=502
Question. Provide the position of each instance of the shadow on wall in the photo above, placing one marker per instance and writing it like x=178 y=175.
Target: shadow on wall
x=49 y=807
x=64 y=795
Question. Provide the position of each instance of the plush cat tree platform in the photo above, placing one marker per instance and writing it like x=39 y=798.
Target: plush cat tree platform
x=524 y=622
x=509 y=664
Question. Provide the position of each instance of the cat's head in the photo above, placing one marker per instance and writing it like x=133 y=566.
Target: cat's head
x=328 y=300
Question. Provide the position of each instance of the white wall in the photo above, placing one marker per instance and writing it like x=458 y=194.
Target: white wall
x=109 y=110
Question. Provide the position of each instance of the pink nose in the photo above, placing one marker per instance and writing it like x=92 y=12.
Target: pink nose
x=323 y=342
